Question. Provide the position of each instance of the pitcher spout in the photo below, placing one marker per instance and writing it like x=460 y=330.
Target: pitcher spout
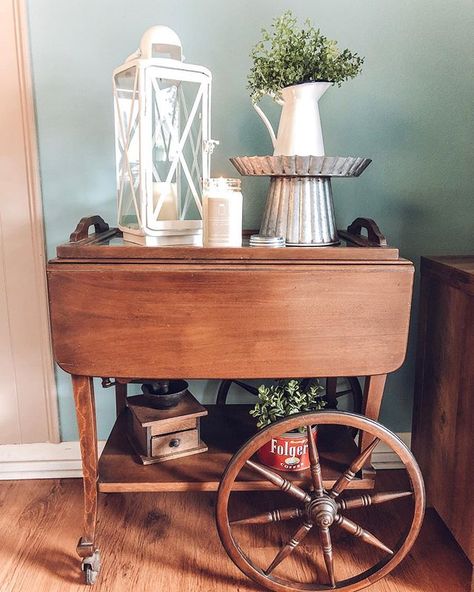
x=311 y=91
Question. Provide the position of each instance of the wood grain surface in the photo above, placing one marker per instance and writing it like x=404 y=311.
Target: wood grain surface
x=455 y=270
x=444 y=392
x=86 y=419
x=224 y=430
x=169 y=542
x=206 y=321
x=109 y=244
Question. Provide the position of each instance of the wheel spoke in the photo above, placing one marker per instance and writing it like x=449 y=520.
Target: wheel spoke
x=279 y=481
x=290 y=546
x=368 y=499
x=331 y=389
x=361 y=533
x=353 y=469
x=326 y=545
x=272 y=516
x=247 y=387
x=342 y=393
x=316 y=475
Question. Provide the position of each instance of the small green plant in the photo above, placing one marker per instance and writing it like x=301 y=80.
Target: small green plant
x=284 y=399
x=288 y=55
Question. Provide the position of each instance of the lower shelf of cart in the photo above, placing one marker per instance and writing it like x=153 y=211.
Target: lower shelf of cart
x=224 y=430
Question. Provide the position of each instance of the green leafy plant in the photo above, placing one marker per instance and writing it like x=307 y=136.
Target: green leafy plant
x=284 y=399
x=288 y=55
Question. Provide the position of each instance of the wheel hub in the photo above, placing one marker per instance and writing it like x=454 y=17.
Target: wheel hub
x=322 y=511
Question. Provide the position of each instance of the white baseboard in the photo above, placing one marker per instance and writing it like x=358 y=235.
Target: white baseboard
x=41 y=461
x=62 y=461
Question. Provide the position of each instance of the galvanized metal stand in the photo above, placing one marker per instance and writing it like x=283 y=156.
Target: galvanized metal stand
x=299 y=203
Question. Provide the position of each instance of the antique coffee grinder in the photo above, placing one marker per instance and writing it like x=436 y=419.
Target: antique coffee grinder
x=163 y=394
x=164 y=421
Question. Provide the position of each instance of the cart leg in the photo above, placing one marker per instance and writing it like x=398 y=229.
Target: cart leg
x=86 y=420
x=120 y=397
x=373 y=393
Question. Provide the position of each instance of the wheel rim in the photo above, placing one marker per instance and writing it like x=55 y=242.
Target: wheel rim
x=359 y=581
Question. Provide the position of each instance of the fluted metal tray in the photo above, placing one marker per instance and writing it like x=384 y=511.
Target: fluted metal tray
x=301 y=166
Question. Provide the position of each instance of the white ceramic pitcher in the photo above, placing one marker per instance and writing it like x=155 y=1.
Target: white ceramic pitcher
x=299 y=131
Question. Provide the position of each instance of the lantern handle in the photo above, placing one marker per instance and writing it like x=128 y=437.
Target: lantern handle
x=134 y=56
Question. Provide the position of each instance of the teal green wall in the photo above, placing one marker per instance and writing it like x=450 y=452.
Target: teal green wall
x=410 y=110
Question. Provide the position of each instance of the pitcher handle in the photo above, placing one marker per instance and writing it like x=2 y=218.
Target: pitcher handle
x=267 y=123
x=264 y=118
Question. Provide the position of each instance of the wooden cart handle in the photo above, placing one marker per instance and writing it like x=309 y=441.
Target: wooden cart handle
x=374 y=234
x=82 y=229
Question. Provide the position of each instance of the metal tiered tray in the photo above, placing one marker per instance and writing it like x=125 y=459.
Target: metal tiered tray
x=299 y=203
x=301 y=166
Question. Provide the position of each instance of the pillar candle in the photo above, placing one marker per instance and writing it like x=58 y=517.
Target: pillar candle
x=166 y=194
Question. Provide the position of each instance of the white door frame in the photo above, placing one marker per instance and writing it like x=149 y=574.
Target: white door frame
x=27 y=382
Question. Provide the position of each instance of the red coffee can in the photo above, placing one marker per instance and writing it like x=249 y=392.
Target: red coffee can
x=288 y=452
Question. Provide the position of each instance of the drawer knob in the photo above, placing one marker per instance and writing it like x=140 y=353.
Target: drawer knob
x=175 y=442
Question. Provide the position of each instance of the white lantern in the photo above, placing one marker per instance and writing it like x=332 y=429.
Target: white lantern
x=163 y=143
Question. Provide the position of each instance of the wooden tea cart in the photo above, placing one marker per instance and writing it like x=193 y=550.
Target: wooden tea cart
x=125 y=312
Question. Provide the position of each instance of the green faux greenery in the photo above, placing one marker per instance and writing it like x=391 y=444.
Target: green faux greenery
x=288 y=55
x=284 y=399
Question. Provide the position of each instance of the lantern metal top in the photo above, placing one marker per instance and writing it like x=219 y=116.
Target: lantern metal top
x=160 y=41
x=161 y=46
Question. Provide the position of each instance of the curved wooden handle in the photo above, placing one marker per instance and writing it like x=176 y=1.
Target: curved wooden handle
x=374 y=234
x=82 y=229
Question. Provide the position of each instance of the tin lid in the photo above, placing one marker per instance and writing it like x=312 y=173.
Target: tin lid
x=260 y=240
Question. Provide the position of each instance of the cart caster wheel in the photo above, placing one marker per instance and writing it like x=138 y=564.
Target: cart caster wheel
x=91 y=568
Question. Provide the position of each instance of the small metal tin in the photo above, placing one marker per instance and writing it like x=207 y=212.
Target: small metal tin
x=261 y=240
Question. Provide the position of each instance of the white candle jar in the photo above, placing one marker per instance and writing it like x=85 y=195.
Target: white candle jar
x=222 y=213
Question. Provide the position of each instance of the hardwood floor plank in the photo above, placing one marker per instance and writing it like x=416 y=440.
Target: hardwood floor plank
x=168 y=541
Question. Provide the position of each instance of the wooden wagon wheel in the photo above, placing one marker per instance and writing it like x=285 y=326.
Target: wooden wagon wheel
x=319 y=507
x=336 y=388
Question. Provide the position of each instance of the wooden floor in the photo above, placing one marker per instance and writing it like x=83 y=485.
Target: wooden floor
x=168 y=542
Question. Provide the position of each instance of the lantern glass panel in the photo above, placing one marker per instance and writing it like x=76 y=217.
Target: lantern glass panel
x=128 y=147
x=175 y=148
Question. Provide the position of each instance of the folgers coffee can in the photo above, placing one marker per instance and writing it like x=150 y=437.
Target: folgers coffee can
x=288 y=452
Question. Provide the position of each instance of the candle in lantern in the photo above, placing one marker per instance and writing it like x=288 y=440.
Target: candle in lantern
x=222 y=213
x=166 y=195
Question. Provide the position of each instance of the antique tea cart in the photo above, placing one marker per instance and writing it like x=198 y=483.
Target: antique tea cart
x=126 y=312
